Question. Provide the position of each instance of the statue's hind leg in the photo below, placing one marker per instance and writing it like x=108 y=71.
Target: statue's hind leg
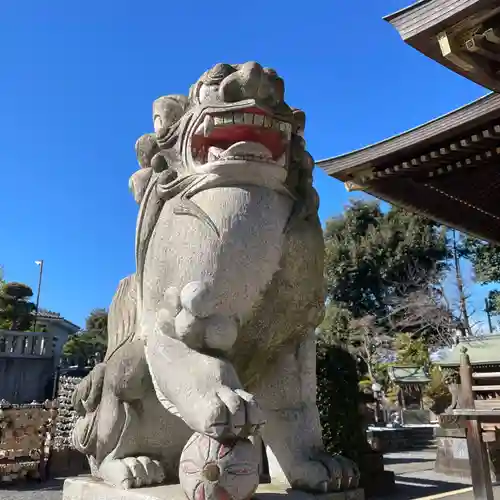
x=292 y=433
x=138 y=441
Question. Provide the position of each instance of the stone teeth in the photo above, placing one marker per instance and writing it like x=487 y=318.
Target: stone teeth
x=239 y=118
x=249 y=118
x=200 y=130
x=214 y=153
x=258 y=120
x=208 y=125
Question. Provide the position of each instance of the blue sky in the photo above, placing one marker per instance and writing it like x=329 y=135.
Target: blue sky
x=77 y=86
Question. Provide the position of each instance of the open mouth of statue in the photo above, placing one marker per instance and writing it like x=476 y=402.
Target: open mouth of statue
x=248 y=134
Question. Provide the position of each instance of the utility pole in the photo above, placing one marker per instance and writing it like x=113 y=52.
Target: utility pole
x=487 y=309
x=467 y=331
x=40 y=264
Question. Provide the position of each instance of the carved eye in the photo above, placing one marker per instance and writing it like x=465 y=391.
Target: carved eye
x=208 y=93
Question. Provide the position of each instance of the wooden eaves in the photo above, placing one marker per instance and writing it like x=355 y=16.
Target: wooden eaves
x=447 y=169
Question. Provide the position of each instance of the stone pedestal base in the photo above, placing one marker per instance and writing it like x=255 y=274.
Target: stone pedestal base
x=87 y=488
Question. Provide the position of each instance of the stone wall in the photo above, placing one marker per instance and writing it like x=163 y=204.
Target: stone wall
x=387 y=440
x=67 y=416
x=65 y=460
x=25 y=438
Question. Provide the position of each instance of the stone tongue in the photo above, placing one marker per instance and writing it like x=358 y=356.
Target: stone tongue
x=245 y=148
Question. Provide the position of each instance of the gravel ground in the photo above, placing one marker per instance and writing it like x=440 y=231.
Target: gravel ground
x=33 y=490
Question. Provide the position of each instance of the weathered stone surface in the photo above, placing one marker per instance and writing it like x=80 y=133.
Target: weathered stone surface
x=87 y=488
x=214 y=333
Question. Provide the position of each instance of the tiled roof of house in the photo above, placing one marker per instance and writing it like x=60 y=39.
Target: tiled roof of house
x=50 y=315
x=42 y=313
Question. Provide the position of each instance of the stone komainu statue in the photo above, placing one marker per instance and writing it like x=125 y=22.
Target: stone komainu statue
x=214 y=333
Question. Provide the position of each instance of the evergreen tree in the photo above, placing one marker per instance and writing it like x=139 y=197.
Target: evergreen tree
x=374 y=261
x=88 y=346
x=15 y=308
x=485 y=260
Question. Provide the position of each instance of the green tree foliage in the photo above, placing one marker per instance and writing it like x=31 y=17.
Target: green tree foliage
x=411 y=351
x=414 y=351
x=339 y=404
x=371 y=253
x=374 y=262
x=485 y=260
x=88 y=346
x=484 y=257
x=339 y=400
x=15 y=308
x=336 y=327
x=493 y=302
x=437 y=396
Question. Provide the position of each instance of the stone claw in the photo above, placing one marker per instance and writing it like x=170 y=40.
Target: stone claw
x=325 y=473
x=132 y=472
x=237 y=415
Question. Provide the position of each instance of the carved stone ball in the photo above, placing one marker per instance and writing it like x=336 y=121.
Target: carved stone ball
x=220 y=332
x=196 y=298
x=210 y=470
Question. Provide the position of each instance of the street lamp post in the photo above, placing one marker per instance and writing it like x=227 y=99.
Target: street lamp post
x=39 y=263
x=376 y=388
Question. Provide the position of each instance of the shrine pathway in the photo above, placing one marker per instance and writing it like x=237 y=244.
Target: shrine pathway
x=415 y=479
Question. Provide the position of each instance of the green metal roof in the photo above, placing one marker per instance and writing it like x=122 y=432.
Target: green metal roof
x=408 y=375
x=482 y=350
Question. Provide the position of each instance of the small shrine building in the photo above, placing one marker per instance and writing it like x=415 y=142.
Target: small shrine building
x=410 y=381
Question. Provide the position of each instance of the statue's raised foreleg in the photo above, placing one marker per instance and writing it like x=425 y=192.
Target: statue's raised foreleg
x=193 y=378
x=292 y=434
x=214 y=274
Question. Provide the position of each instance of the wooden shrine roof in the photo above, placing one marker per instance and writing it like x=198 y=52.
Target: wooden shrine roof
x=463 y=35
x=447 y=169
x=402 y=375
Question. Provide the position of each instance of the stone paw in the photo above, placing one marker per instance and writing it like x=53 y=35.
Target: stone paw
x=325 y=473
x=207 y=393
x=131 y=472
x=235 y=412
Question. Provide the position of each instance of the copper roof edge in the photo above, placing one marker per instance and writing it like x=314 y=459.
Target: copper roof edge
x=389 y=17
